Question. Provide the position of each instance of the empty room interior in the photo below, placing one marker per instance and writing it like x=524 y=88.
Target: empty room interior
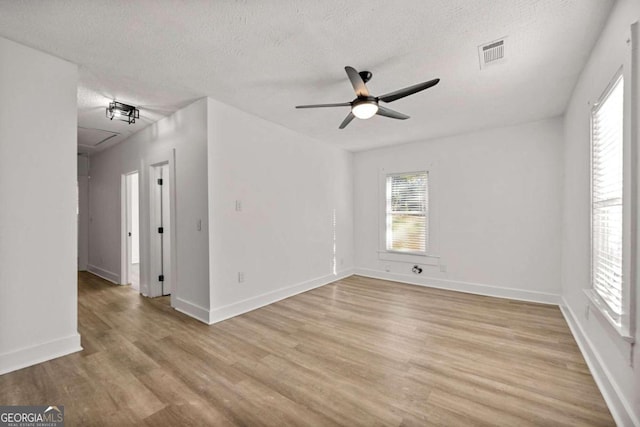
x=325 y=213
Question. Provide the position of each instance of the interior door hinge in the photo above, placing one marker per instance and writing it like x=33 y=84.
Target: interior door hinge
x=159 y=181
x=160 y=230
x=161 y=278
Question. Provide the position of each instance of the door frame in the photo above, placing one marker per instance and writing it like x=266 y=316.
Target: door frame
x=154 y=288
x=125 y=242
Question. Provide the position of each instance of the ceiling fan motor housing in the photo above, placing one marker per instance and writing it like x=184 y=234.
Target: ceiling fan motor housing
x=366 y=75
x=365 y=100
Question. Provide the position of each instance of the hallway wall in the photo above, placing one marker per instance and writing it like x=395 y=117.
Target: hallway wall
x=185 y=133
x=38 y=228
x=83 y=212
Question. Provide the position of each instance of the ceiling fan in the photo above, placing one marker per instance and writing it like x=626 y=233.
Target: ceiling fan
x=366 y=106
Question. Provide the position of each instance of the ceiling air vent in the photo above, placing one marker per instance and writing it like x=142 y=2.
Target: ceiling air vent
x=491 y=53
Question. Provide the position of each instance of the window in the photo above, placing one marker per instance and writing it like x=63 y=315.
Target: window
x=607 y=200
x=407 y=210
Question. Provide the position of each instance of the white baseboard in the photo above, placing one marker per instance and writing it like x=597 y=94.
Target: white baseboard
x=105 y=274
x=225 y=312
x=620 y=408
x=25 y=357
x=467 y=287
x=192 y=310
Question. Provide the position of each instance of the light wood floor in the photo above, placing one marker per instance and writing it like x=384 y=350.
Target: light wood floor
x=356 y=352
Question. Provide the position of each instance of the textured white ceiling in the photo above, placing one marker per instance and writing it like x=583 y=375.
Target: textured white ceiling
x=265 y=57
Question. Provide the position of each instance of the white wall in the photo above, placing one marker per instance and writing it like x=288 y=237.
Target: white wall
x=282 y=240
x=185 y=132
x=496 y=201
x=38 y=285
x=607 y=354
x=289 y=187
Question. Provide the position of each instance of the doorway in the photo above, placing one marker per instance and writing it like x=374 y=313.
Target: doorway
x=132 y=230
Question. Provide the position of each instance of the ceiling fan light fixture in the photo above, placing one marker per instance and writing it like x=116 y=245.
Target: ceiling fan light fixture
x=124 y=112
x=364 y=109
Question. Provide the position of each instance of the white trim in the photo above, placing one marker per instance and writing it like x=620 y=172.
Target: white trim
x=192 y=310
x=105 y=274
x=613 y=319
x=388 y=211
x=620 y=408
x=124 y=252
x=231 y=310
x=466 y=287
x=152 y=287
x=39 y=353
x=125 y=223
x=621 y=323
x=433 y=218
x=409 y=258
x=632 y=188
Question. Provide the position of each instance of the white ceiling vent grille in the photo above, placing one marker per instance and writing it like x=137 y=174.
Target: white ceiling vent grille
x=491 y=53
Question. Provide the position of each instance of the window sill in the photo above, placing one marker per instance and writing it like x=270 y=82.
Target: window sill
x=411 y=258
x=614 y=320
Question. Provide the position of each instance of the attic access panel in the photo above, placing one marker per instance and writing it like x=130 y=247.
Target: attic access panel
x=92 y=138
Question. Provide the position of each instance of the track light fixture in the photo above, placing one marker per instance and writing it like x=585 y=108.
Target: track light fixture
x=124 y=112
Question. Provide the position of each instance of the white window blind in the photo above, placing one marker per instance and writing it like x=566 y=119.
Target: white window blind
x=407 y=212
x=606 y=197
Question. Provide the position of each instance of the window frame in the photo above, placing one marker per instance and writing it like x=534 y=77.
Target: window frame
x=431 y=258
x=621 y=323
x=426 y=215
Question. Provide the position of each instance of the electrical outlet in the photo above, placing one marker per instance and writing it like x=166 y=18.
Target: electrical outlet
x=199 y=225
x=240 y=277
x=238 y=205
x=443 y=268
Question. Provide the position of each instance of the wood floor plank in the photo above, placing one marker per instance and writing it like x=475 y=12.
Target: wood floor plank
x=357 y=352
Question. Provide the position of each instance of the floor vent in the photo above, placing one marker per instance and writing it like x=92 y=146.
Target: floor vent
x=491 y=53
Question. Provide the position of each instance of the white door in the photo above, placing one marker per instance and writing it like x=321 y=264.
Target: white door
x=161 y=238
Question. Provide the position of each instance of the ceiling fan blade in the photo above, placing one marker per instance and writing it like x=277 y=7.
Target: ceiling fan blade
x=347 y=120
x=356 y=81
x=339 y=104
x=387 y=112
x=393 y=96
